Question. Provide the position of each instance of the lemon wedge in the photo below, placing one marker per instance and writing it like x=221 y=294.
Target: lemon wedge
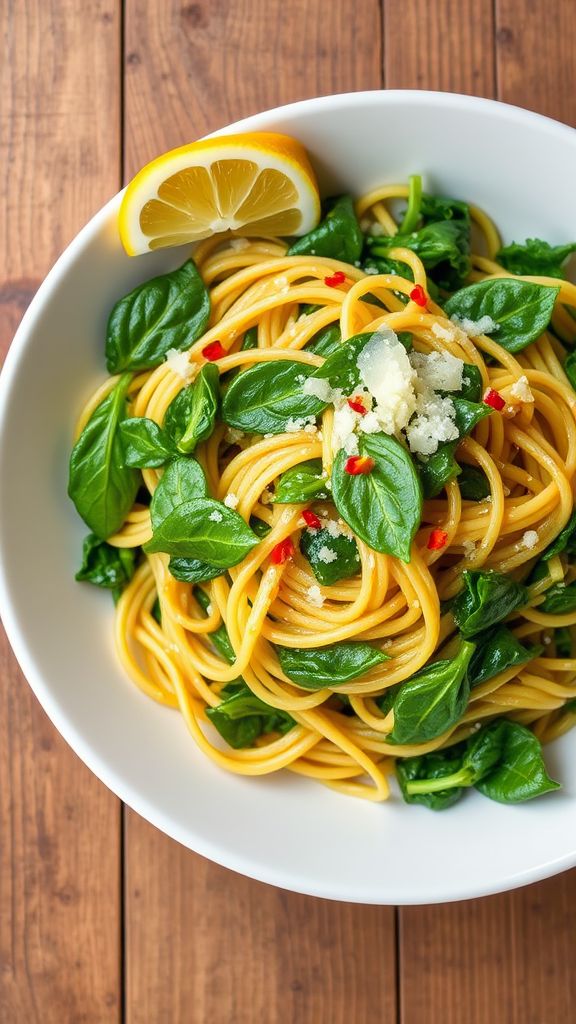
x=258 y=183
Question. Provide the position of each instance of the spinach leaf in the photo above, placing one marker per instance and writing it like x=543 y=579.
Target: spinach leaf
x=488 y=597
x=420 y=778
x=191 y=415
x=570 y=368
x=443 y=246
x=205 y=529
x=219 y=638
x=496 y=650
x=326 y=342
x=301 y=483
x=563 y=641
x=559 y=599
x=412 y=214
x=383 y=507
x=242 y=717
x=341 y=368
x=192 y=570
x=104 y=565
x=144 y=444
x=170 y=311
x=473 y=483
x=263 y=398
x=433 y=699
x=468 y=414
x=471 y=384
x=337 y=236
x=520 y=310
x=259 y=527
x=520 y=773
x=435 y=208
x=535 y=258
x=250 y=339
x=565 y=541
x=182 y=480
x=329 y=666
x=101 y=487
x=438 y=469
x=315 y=544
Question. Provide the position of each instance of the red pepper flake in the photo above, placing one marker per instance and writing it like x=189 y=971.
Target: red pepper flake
x=493 y=399
x=282 y=552
x=418 y=295
x=437 y=540
x=357 y=465
x=338 y=278
x=311 y=519
x=357 y=405
x=215 y=350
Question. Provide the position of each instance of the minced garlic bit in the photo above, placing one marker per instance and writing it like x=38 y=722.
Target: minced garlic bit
x=314 y=596
x=444 y=333
x=179 y=363
x=231 y=500
x=521 y=390
x=469 y=548
x=529 y=539
x=232 y=435
x=473 y=328
x=238 y=244
x=216 y=516
x=327 y=555
x=266 y=497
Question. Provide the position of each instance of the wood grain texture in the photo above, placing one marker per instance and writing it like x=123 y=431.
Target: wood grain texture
x=59 y=827
x=205 y=945
x=536 y=56
x=222 y=948
x=193 y=67
x=506 y=959
x=446 y=45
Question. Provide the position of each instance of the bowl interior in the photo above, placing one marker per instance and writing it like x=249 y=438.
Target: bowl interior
x=280 y=829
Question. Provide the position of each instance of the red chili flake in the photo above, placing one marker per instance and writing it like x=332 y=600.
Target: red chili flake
x=338 y=278
x=356 y=465
x=493 y=399
x=282 y=552
x=311 y=519
x=215 y=350
x=437 y=540
x=357 y=405
x=418 y=295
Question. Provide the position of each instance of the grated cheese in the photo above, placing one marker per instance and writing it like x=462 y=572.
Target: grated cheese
x=327 y=555
x=485 y=325
x=386 y=371
x=314 y=596
x=179 y=363
x=294 y=424
x=469 y=548
x=444 y=333
x=529 y=539
x=438 y=370
x=216 y=516
x=231 y=500
x=521 y=390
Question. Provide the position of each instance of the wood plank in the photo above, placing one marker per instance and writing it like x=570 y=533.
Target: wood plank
x=221 y=947
x=59 y=827
x=193 y=67
x=446 y=45
x=506 y=959
x=536 y=57
x=205 y=944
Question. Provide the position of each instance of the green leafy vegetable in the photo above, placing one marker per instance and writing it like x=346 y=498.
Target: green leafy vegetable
x=471 y=384
x=443 y=246
x=412 y=214
x=520 y=773
x=242 y=717
x=473 y=483
x=383 y=507
x=262 y=399
x=182 y=480
x=433 y=699
x=219 y=637
x=104 y=565
x=170 y=311
x=303 y=482
x=101 y=487
x=313 y=543
x=435 y=208
x=205 y=529
x=259 y=527
x=468 y=414
x=535 y=258
x=429 y=771
x=563 y=642
x=496 y=650
x=326 y=342
x=559 y=599
x=341 y=368
x=488 y=597
x=329 y=666
x=191 y=415
x=570 y=368
x=192 y=570
x=520 y=310
x=438 y=469
x=565 y=541
x=144 y=443
x=250 y=339
x=338 y=236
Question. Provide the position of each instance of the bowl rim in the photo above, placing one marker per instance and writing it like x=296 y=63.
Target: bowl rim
x=79 y=740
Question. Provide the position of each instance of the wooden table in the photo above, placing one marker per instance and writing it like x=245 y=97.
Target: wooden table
x=102 y=918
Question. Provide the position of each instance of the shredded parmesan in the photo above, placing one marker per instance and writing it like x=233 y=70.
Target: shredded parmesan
x=529 y=539
x=179 y=363
x=216 y=516
x=521 y=390
x=314 y=596
x=231 y=500
x=326 y=554
x=473 y=328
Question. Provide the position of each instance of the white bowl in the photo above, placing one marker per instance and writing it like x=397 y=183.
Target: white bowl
x=284 y=829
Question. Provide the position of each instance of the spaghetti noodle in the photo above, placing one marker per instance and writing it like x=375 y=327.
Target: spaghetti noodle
x=525 y=452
